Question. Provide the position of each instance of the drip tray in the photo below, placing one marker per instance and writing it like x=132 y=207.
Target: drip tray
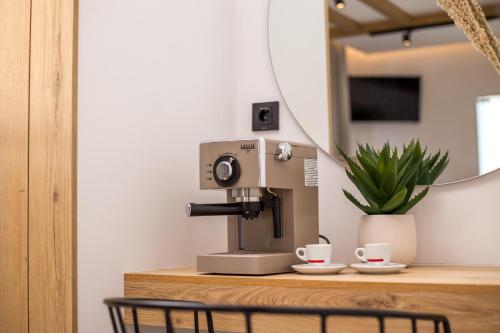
x=246 y=263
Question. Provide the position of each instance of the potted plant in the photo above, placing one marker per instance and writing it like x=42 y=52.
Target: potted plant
x=387 y=180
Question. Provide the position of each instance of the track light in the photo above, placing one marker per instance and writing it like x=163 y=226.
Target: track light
x=339 y=4
x=407 y=38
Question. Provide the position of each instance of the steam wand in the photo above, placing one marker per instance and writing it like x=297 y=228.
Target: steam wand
x=275 y=204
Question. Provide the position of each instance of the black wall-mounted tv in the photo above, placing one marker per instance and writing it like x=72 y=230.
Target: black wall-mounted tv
x=385 y=98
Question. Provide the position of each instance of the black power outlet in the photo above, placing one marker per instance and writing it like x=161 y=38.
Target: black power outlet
x=266 y=116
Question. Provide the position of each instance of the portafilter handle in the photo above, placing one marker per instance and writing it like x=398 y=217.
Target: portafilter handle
x=247 y=210
x=193 y=209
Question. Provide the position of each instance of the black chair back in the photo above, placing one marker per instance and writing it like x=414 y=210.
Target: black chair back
x=117 y=305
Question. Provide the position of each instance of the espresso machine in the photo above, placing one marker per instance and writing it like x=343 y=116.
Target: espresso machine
x=272 y=203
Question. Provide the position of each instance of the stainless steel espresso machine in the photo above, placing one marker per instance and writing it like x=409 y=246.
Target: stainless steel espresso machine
x=272 y=203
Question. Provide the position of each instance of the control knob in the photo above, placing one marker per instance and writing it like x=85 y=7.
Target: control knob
x=226 y=170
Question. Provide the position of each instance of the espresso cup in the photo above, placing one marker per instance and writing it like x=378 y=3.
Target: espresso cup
x=315 y=254
x=377 y=254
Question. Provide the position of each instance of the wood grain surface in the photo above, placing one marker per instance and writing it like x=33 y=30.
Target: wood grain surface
x=52 y=174
x=470 y=297
x=14 y=92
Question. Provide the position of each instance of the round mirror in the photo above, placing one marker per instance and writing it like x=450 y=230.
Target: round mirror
x=388 y=71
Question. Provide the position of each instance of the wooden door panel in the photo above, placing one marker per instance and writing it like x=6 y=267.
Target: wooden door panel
x=14 y=94
x=52 y=174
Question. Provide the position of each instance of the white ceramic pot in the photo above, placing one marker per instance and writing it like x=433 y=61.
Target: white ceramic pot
x=399 y=230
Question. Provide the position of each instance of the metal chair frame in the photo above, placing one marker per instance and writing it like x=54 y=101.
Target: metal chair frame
x=115 y=305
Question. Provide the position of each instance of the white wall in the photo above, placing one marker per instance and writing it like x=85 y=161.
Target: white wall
x=457 y=224
x=155 y=78
x=452 y=77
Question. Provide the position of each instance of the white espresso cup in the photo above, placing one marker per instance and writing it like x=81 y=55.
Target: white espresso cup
x=377 y=254
x=315 y=254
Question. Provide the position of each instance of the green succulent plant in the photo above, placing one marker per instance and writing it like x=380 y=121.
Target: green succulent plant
x=387 y=180
x=432 y=167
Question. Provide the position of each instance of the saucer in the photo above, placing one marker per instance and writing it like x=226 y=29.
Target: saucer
x=372 y=269
x=317 y=269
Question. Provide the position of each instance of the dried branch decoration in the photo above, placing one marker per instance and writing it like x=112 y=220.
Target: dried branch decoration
x=469 y=16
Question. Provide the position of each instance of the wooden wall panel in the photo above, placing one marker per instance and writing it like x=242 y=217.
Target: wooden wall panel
x=14 y=88
x=52 y=174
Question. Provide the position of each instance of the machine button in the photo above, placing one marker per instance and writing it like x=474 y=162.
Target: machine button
x=284 y=151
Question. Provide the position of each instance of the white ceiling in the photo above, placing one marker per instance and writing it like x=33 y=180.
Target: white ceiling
x=362 y=13
x=424 y=37
x=421 y=37
x=419 y=7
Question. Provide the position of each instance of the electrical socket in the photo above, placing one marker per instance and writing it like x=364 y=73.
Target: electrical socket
x=265 y=116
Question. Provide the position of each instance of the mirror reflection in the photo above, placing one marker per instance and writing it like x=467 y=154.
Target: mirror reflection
x=398 y=70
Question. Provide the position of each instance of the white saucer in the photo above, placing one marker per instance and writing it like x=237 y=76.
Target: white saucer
x=317 y=269
x=366 y=268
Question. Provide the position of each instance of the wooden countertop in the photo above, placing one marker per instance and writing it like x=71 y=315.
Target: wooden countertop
x=468 y=296
x=484 y=278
